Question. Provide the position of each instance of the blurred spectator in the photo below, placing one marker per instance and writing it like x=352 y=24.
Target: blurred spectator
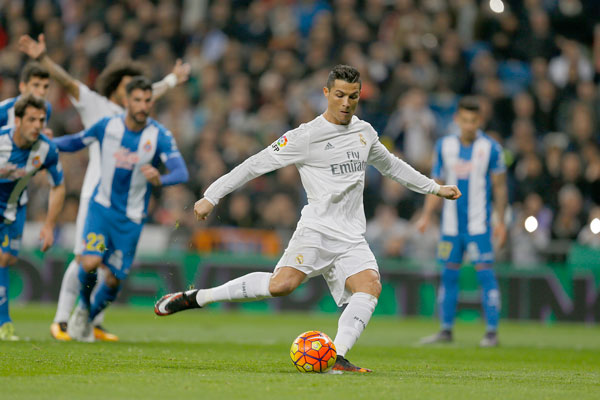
x=568 y=220
x=386 y=233
x=259 y=67
x=530 y=234
x=589 y=234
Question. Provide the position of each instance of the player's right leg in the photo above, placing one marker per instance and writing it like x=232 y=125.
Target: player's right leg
x=70 y=286
x=450 y=253
x=289 y=273
x=69 y=290
x=79 y=326
x=250 y=287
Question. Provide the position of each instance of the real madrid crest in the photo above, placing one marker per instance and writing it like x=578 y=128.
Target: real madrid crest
x=363 y=141
x=300 y=259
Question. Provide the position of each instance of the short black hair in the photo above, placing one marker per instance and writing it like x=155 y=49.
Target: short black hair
x=110 y=79
x=34 y=68
x=469 y=103
x=344 y=73
x=28 y=100
x=138 y=82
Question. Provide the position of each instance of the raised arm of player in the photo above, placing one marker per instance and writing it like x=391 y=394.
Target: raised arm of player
x=37 y=51
x=178 y=173
x=179 y=74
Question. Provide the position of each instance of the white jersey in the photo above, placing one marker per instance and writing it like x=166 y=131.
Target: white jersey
x=92 y=107
x=331 y=160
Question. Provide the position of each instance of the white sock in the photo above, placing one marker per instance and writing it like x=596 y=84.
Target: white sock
x=251 y=287
x=353 y=321
x=69 y=291
x=99 y=319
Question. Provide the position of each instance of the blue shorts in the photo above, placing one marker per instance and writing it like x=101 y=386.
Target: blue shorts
x=10 y=234
x=451 y=249
x=112 y=236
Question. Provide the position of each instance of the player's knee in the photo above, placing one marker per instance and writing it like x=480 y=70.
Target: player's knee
x=373 y=287
x=111 y=281
x=279 y=288
x=90 y=264
x=7 y=259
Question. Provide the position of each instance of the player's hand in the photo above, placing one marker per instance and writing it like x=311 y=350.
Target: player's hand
x=151 y=174
x=32 y=48
x=202 y=209
x=449 y=192
x=181 y=71
x=48 y=132
x=47 y=236
x=500 y=234
x=422 y=223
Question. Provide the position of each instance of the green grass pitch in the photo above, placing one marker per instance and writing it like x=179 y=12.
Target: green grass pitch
x=207 y=354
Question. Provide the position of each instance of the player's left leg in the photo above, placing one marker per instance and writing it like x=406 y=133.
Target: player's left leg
x=450 y=254
x=490 y=299
x=490 y=296
x=106 y=293
x=6 y=326
x=10 y=242
x=121 y=236
x=365 y=287
x=354 y=279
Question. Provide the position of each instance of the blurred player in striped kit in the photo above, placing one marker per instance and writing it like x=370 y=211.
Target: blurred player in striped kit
x=35 y=80
x=132 y=146
x=472 y=161
x=92 y=107
x=24 y=151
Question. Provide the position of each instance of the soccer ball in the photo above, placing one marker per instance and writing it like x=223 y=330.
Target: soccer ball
x=313 y=351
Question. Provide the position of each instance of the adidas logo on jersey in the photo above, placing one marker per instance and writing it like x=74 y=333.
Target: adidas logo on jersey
x=329 y=146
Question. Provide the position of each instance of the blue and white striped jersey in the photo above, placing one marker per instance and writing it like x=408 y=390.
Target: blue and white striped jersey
x=470 y=168
x=18 y=165
x=122 y=185
x=7 y=112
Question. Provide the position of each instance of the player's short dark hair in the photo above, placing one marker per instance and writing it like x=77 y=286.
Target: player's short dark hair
x=110 y=79
x=33 y=69
x=469 y=103
x=344 y=73
x=138 y=82
x=28 y=100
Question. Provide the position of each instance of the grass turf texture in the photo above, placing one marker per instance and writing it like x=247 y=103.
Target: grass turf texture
x=209 y=354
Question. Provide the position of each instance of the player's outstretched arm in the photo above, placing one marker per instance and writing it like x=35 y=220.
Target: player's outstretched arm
x=449 y=192
x=55 y=205
x=394 y=168
x=70 y=143
x=37 y=50
x=203 y=208
x=179 y=74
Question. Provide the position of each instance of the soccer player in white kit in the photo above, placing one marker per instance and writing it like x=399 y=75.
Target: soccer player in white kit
x=331 y=153
x=92 y=107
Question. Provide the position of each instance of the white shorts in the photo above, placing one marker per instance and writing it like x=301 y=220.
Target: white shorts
x=315 y=254
x=84 y=204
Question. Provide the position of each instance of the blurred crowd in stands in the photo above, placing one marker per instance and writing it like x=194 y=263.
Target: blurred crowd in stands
x=258 y=68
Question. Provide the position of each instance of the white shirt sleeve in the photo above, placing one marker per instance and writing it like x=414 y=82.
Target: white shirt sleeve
x=290 y=148
x=92 y=106
x=394 y=168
